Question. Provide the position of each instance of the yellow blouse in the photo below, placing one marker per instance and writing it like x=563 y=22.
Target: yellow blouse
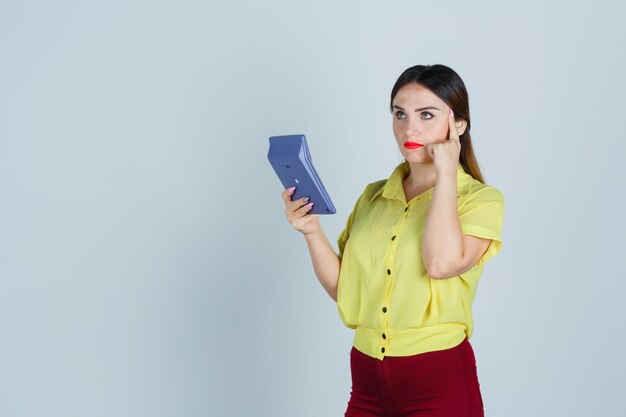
x=384 y=291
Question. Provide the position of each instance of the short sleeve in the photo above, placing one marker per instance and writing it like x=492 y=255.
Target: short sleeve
x=482 y=215
x=345 y=233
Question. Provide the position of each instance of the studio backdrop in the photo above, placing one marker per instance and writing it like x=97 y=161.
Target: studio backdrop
x=147 y=267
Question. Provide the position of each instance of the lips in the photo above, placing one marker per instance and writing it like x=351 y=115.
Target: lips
x=412 y=145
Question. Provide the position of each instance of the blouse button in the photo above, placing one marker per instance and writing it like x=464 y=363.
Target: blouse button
x=383 y=350
x=388 y=272
x=384 y=336
x=406 y=209
x=393 y=237
x=384 y=309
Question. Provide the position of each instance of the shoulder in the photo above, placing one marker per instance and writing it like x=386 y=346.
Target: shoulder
x=477 y=192
x=371 y=189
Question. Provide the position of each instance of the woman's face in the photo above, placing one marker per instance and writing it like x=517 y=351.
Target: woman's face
x=419 y=116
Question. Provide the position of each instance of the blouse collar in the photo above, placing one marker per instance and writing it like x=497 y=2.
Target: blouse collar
x=393 y=188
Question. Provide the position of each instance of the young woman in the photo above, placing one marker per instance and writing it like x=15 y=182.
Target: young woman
x=410 y=257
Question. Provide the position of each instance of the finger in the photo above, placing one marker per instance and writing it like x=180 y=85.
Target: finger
x=301 y=212
x=286 y=195
x=304 y=209
x=453 y=133
x=299 y=203
x=296 y=204
x=431 y=149
x=293 y=206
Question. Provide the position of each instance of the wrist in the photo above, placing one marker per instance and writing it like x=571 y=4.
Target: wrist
x=446 y=177
x=313 y=235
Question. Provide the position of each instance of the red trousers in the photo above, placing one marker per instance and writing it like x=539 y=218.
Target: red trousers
x=442 y=383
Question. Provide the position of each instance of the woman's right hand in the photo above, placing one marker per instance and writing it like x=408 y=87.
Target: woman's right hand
x=296 y=212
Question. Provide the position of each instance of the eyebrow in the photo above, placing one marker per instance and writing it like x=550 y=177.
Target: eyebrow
x=419 y=108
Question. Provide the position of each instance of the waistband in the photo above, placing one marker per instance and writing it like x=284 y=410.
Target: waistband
x=409 y=341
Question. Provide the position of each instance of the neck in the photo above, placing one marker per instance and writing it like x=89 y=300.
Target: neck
x=422 y=175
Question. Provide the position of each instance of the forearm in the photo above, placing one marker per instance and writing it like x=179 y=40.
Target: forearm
x=326 y=262
x=442 y=242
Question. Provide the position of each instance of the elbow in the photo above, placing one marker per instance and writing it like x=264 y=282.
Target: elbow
x=437 y=271
x=441 y=268
x=433 y=273
x=332 y=291
x=436 y=267
x=333 y=295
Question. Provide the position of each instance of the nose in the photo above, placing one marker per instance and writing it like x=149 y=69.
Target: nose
x=413 y=131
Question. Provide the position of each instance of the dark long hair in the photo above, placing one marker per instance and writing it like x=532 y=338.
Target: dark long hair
x=446 y=84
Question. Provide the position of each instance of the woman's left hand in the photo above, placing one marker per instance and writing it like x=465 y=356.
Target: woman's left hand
x=445 y=154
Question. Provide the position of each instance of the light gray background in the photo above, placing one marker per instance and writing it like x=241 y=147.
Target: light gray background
x=147 y=267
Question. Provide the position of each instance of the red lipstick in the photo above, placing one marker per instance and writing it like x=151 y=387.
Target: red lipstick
x=412 y=145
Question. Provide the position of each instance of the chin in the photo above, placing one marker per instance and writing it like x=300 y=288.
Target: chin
x=418 y=157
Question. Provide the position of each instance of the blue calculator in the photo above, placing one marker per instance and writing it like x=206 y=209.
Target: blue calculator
x=290 y=158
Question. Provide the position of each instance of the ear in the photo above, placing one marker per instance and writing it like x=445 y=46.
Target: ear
x=460 y=126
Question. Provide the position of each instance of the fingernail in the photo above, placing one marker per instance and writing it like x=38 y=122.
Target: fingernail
x=291 y=189
x=305 y=199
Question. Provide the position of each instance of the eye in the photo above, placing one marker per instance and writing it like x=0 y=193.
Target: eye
x=400 y=115
x=430 y=114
